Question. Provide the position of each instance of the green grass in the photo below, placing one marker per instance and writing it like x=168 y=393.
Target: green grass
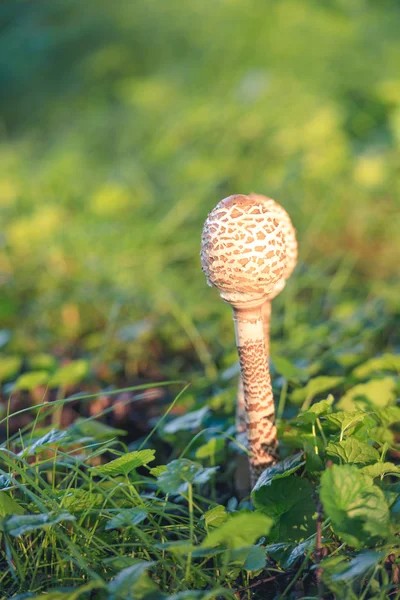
x=121 y=126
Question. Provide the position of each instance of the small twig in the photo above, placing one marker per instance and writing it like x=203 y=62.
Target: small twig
x=252 y=585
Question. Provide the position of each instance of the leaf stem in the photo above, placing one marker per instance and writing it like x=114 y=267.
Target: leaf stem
x=191 y=531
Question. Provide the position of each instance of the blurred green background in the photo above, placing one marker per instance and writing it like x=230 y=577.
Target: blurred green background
x=123 y=124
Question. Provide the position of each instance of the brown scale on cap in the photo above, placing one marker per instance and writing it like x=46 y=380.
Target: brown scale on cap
x=289 y=233
x=243 y=249
x=243 y=255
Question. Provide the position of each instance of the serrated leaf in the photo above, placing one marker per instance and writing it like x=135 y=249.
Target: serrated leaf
x=389 y=416
x=70 y=374
x=386 y=362
x=187 y=422
x=283 y=468
x=78 y=499
x=179 y=473
x=9 y=506
x=126 y=463
x=378 y=393
x=215 y=516
x=353 y=451
x=380 y=469
x=127 y=517
x=156 y=471
x=315 y=386
x=241 y=529
x=95 y=429
x=210 y=449
x=381 y=436
x=344 y=420
x=21 y=524
x=351 y=501
x=289 y=502
x=315 y=411
x=30 y=381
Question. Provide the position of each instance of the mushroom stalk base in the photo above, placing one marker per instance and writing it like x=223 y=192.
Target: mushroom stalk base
x=259 y=401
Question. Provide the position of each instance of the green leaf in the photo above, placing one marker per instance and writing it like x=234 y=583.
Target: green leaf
x=21 y=524
x=315 y=386
x=95 y=429
x=353 y=451
x=344 y=420
x=255 y=559
x=70 y=374
x=315 y=411
x=187 y=422
x=6 y=481
x=381 y=436
x=378 y=393
x=71 y=594
x=78 y=499
x=210 y=449
x=380 y=469
x=285 y=368
x=126 y=463
x=352 y=502
x=182 y=472
x=283 y=468
x=314 y=463
x=132 y=582
x=241 y=529
x=191 y=595
x=387 y=362
x=298 y=552
x=51 y=437
x=42 y=362
x=389 y=416
x=215 y=516
x=8 y=506
x=9 y=366
x=30 y=381
x=358 y=565
x=290 y=503
x=156 y=471
x=127 y=517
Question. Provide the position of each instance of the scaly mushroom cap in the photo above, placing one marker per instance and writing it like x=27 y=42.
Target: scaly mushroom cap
x=290 y=239
x=243 y=251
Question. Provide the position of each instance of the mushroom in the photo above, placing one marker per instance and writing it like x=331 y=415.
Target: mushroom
x=243 y=255
x=291 y=261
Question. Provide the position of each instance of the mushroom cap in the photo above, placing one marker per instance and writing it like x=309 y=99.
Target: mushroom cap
x=290 y=239
x=243 y=252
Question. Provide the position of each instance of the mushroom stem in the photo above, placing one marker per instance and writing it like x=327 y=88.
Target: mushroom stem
x=259 y=401
x=266 y=316
x=241 y=405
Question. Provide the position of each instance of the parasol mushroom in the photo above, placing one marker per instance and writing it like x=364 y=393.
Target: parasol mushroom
x=291 y=260
x=243 y=255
